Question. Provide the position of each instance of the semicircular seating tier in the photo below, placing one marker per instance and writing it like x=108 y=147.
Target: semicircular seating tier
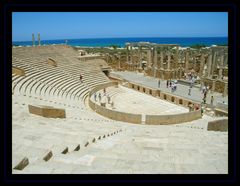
x=61 y=81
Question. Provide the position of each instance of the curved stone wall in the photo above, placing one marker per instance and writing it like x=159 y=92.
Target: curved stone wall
x=150 y=119
x=162 y=95
x=173 y=119
x=112 y=114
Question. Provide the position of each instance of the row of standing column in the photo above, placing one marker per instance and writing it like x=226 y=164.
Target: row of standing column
x=33 y=40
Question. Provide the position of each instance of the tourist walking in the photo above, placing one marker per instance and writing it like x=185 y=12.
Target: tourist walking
x=95 y=97
x=212 y=99
x=207 y=89
x=204 y=100
x=81 y=77
x=189 y=91
x=167 y=83
x=159 y=83
x=197 y=107
x=201 y=110
x=109 y=99
x=175 y=87
x=99 y=97
x=191 y=84
x=205 y=94
x=203 y=89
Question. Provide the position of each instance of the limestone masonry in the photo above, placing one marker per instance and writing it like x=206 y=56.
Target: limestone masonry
x=147 y=108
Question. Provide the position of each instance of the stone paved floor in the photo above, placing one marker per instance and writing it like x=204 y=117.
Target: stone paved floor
x=145 y=149
x=182 y=90
x=186 y=148
x=131 y=101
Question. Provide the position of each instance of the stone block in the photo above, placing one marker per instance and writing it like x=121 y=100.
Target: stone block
x=65 y=151
x=52 y=62
x=46 y=111
x=18 y=71
x=173 y=118
x=48 y=156
x=22 y=164
x=77 y=148
x=218 y=125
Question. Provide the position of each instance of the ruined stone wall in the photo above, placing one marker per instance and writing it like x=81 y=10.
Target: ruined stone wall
x=225 y=72
x=219 y=86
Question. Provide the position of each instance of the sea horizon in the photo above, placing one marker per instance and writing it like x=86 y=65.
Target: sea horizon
x=121 y=41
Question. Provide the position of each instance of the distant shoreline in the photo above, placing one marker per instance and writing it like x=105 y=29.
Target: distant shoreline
x=106 y=42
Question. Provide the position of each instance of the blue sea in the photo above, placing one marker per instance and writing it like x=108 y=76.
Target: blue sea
x=105 y=42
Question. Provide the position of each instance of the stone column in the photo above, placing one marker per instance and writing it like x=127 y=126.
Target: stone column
x=226 y=60
x=149 y=53
x=161 y=65
x=169 y=61
x=155 y=57
x=140 y=56
x=33 y=40
x=214 y=62
x=155 y=61
x=186 y=60
x=213 y=85
x=180 y=75
x=127 y=54
x=225 y=92
x=209 y=61
x=220 y=73
x=131 y=58
x=39 y=41
x=119 y=61
x=221 y=67
x=194 y=62
x=202 y=62
x=176 y=57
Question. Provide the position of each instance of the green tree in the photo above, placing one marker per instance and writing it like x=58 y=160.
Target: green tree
x=197 y=46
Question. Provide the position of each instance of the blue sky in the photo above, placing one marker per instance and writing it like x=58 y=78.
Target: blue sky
x=71 y=25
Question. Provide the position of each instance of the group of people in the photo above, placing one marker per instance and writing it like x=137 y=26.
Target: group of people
x=191 y=77
x=99 y=96
x=172 y=85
